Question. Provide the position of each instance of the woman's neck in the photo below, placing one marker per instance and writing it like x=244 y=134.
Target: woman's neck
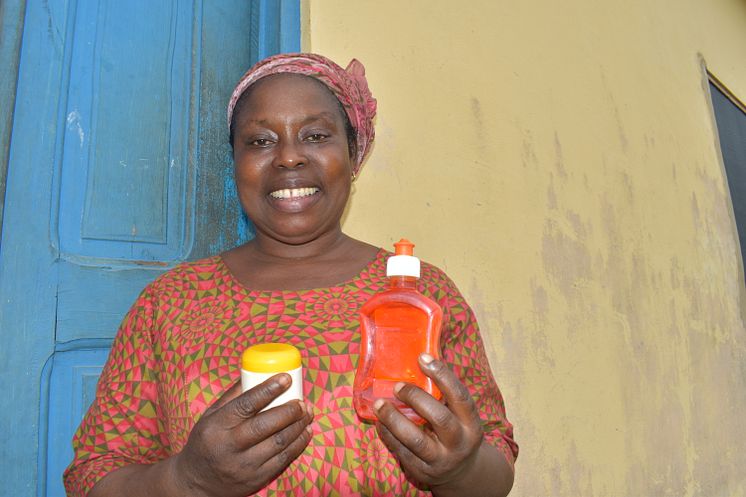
x=263 y=265
x=327 y=246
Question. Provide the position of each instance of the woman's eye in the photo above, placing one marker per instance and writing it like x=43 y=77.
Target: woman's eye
x=316 y=137
x=259 y=142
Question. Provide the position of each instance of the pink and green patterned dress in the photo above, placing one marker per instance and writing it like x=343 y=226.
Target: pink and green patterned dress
x=179 y=349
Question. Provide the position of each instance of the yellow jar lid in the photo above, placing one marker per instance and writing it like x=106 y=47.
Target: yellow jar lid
x=270 y=358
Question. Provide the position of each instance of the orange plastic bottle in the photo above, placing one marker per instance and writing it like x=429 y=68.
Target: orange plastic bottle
x=396 y=325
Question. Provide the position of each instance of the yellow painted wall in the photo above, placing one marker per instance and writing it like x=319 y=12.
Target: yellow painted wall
x=559 y=161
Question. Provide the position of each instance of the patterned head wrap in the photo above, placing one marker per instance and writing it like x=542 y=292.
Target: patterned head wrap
x=348 y=85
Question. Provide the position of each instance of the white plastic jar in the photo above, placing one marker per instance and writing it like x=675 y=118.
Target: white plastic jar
x=262 y=361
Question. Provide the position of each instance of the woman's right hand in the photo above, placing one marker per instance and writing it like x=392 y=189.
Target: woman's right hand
x=235 y=450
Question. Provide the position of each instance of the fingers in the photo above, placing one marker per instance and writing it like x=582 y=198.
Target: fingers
x=281 y=448
x=276 y=464
x=410 y=463
x=444 y=423
x=265 y=425
x=455 y=424
x=227 y=396
x=276 y=437
x=438 y=456
x=240 y=414
x=456 y=394
x=404 y=433
x=230 y=447
x=251 y=402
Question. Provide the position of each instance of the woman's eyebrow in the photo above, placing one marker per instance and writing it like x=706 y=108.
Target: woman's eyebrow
x=320 y=116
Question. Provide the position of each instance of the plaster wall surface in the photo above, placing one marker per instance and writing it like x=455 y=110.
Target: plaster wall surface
x=560 y=161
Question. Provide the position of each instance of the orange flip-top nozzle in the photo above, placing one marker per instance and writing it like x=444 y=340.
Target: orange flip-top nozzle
x=404 y=247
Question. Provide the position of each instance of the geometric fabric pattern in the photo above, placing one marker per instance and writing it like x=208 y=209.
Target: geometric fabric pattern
x=179 y=347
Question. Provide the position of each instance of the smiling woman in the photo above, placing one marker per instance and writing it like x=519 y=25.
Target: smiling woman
x=292 y=160
x=169 y=417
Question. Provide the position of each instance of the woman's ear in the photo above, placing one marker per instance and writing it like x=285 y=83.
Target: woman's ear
x=352 y=148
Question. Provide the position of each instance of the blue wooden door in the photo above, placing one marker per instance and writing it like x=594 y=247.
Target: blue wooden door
x=117 y=168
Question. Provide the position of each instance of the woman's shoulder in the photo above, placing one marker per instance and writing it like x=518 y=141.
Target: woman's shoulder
x=435 y=277
x=436 y=284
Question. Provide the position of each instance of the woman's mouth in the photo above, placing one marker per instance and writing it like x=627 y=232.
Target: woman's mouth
x=294 y=200
x=291 y=193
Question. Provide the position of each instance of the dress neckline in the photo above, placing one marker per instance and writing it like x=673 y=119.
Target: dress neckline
x=370 y=267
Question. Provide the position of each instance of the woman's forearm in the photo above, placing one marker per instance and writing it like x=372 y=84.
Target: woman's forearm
x=490 y=475
x=143 y=480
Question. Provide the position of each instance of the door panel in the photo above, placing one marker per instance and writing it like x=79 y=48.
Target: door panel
x=126 y=140
x=72 y=388
x=126 y=174
x=91 y=301
x=118 y=169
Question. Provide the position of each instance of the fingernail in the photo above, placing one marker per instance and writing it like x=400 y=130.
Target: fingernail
x=398 y=387
x=281 y=381
x=378 y=404
x=309 y=409
x=426 y=359
x=309 y=430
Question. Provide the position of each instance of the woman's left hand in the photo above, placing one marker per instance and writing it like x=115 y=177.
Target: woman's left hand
x=442 y=453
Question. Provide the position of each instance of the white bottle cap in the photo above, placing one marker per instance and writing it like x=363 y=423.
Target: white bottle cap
x=403 y=265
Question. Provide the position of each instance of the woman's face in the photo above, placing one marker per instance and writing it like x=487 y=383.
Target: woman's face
x=292 y=163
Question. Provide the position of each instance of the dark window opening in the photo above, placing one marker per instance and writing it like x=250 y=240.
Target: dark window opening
x=730 y=116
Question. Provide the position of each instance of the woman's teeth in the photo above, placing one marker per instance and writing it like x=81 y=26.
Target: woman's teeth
x=293 y=193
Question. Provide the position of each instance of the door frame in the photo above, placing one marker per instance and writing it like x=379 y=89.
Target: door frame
x=12 y=13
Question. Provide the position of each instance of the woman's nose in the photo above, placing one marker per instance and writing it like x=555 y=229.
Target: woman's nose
x=290 y=155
